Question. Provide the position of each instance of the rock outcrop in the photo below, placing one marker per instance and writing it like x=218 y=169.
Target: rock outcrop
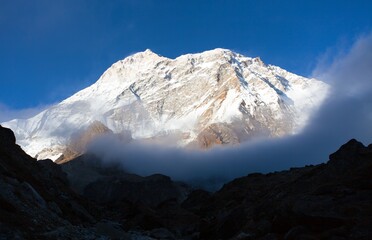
x=79 y=142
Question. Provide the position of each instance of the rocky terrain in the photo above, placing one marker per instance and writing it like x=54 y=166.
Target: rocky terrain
x=83 y=199
x=196 y=100
x=79 y=142
x=36 y=200
x=327 y=201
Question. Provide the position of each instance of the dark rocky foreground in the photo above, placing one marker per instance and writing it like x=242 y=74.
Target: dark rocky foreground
x=82 y=199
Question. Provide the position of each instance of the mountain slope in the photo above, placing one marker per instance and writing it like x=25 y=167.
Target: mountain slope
x=214 y=97
x=327 y=201
x=35 y=197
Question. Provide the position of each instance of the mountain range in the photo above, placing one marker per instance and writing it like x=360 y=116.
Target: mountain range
x=196 y=101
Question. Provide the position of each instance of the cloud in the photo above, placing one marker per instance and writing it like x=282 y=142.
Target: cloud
x=7 y=114
x=346 y=114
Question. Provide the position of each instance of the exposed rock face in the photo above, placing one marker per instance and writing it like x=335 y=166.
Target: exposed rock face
x=194 y=95
x=79 y=141
x=217 y=133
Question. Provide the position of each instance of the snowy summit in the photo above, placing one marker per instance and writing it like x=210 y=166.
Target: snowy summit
x=213 y=97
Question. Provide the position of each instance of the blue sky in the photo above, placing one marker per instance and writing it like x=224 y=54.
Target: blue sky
x=51 y=49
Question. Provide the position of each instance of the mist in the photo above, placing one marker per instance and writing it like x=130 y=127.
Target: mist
x=345 y=114
x=7 y=113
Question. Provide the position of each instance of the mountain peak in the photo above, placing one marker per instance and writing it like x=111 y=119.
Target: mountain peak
x=148 y=52
x=147 y=55
x=195 y=98
x=219 y=52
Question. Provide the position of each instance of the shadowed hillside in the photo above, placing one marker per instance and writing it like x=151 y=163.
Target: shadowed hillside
x=83 y=199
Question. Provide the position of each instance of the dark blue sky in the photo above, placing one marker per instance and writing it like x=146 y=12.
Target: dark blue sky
x=51 y=49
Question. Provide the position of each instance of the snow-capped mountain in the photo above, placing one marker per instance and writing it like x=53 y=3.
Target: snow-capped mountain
x=216 y=96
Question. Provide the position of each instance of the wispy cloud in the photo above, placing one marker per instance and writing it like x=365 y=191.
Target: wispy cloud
x=7 y=114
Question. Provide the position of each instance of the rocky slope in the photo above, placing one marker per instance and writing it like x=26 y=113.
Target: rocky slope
x=327 y=201
x=196 y=100
x=79 y=141
x=38 y=202
x=35 y=200
x=107 y=183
